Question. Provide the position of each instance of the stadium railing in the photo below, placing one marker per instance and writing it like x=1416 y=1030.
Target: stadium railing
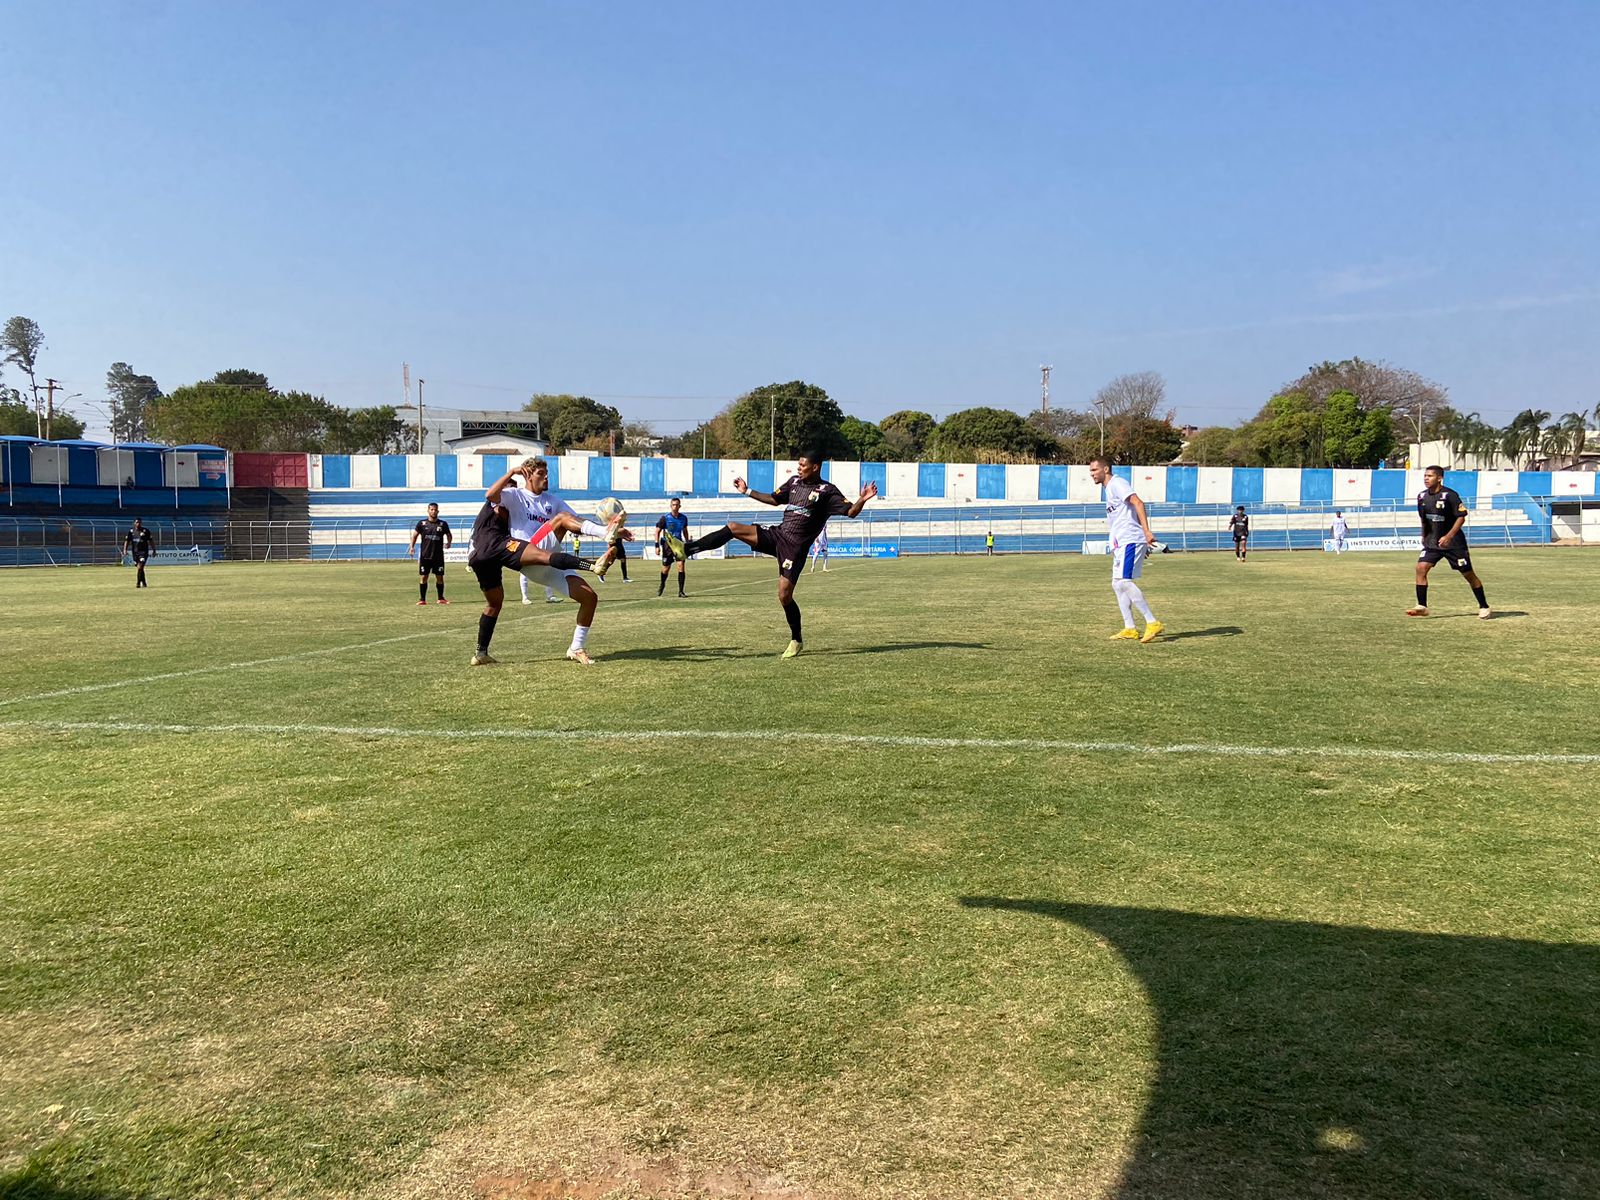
x=89 y=541
x=1515 y=520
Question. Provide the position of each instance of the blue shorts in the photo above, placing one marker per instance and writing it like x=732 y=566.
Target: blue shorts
x=1127 y=560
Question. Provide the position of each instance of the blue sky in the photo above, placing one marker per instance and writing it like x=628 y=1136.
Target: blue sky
x=913 y=206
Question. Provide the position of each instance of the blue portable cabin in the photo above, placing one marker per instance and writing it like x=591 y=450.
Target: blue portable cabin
x=211 y=464
x=16 y=459
x=132 y=465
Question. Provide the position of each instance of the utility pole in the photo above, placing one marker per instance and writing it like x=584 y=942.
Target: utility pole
x=1044 y=390
x=1100 y=408
x=420 y=382
x=50 y=405
x=772 y=452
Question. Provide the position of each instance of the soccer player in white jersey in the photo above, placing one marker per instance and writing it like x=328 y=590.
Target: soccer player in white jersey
x=1340 y=531
x=1131 y=539
x=531 y=506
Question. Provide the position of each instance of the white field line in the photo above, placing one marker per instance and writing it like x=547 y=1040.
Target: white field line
x=461 y=631
x=897 y=741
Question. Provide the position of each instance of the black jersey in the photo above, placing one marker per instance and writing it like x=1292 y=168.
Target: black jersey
x=139 y=542
x=431 y=537
x=490 y=528
x=807 y=507
x=1439 y=511
x=1239 y=525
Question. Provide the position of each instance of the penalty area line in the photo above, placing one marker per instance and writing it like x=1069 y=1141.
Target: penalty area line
x=894 y=741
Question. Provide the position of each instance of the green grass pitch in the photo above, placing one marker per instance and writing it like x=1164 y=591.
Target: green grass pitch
x=297 y=904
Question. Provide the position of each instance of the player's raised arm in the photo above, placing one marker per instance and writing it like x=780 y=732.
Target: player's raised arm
x=500 y=485
x=744 y=489
x=867 y=493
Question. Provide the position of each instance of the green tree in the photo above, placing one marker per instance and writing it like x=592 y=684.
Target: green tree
x=1212 y=447
x=866 y=440
x=241 y=378
x=376 y=430
x=907 y=435
x=1293 y=433
x=19 y=417
x=131 y=393
x=1133 y=438
x=787 y=418
x=21 y=340
x=568 y=421
x=992 y=432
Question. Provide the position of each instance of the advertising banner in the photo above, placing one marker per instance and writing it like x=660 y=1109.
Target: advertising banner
x=1414 y=542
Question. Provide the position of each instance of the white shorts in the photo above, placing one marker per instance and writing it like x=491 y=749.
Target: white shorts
x=1127 y=560
x=551 y=577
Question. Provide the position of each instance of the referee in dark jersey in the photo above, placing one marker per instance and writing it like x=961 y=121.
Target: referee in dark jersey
x=1444 y=536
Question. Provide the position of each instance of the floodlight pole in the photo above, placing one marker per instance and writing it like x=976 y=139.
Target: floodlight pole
x=420 y=382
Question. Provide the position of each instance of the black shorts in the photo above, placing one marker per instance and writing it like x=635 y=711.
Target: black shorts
x=667 y=556
x=1240 y=538
x=790 y=552
x=139 y=560
x=1458 y=556
x=434 y=565
x=502 y=552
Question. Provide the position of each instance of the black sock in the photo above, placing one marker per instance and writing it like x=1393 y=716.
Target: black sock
x=140 y=581
x=792 y=611
x=680 y=583
x=486 y=630
x=663 y=586
x=422 y=590
x=717 y=537
x=1422 y=595
x=562 y=561
x=439 y=586
x=1483 y=601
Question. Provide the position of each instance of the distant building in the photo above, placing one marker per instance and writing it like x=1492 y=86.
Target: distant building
x=475 y=430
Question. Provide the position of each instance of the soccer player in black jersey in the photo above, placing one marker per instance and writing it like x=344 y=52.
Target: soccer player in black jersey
x=808 y=501
x=137 y=544
x=494 y=549
x=435 y=537
x=1239 y=526
x=1444 y=536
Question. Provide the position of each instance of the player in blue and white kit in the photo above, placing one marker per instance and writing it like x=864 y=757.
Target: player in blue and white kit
x=1129 y=526
x=529 y=508
x=819 y=550
x=1341 y=530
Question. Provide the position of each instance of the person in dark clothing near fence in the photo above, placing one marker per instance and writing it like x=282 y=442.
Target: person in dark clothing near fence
x=137 y=544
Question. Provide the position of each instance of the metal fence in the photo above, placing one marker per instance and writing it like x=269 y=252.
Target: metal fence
x=78 y=542
x=950 y=529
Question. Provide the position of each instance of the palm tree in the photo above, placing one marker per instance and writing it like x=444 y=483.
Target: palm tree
x=1576 y=427
x=1524 y=435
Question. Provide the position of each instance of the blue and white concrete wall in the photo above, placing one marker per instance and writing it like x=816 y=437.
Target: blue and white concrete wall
x=583 y=477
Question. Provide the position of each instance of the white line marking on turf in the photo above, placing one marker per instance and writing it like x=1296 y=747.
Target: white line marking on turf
x=908 y=741
x=458 y=631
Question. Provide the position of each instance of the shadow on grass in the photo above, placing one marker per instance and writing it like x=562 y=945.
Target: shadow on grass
x=1217 y=631
x=1498 y=615
x=897 y=647
x=31 y=1183
x=1302 y=1060
x=682 y=653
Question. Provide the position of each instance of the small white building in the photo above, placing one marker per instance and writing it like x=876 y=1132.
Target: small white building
x=495 y=443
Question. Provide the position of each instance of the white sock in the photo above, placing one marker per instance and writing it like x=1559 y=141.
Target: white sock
x=523 y=580
x=549 y=594
x=1120 y=587
x=1139 y=602
x=580 y=635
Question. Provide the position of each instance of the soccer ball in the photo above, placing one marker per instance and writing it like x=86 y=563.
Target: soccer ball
x=609 y=510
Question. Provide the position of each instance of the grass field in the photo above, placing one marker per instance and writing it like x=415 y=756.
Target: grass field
x=297 y=904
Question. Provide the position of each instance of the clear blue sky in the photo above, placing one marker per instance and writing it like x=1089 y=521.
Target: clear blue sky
x=911 y=205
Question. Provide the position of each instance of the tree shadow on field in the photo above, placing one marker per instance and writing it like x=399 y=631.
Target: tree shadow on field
x=30 y=1183
x=1216 y=631
x=897 y=647
x=1303 y=1060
